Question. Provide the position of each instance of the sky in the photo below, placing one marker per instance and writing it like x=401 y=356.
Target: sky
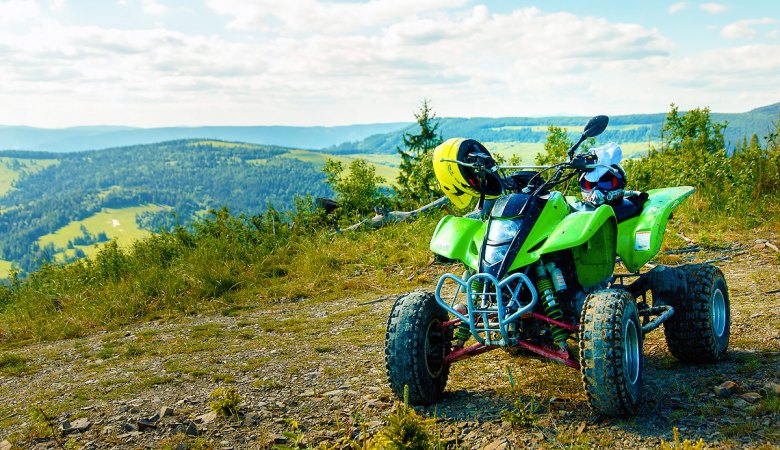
x=153 y=63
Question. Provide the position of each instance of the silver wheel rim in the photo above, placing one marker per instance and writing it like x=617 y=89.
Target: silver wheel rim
x=631 y=351
x=718 y=312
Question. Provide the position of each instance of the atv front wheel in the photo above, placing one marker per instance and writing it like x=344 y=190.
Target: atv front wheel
x=416 y=346
x=698 y=331
x=611 y=353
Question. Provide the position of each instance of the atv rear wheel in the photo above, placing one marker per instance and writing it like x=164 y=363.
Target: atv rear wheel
x=698 y=331
x=415 y=348
x=611 y=353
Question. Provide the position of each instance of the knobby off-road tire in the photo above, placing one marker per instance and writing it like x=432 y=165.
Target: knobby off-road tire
x=698 y=331
x=415 y=348
x=611 y=354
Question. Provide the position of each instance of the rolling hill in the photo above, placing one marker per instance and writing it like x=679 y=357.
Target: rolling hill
x=52 y=194
x=634 y=128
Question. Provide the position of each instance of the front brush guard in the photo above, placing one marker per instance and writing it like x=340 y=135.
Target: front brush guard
x=489 y=305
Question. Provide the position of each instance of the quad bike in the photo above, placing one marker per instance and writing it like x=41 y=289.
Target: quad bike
x=539 y=278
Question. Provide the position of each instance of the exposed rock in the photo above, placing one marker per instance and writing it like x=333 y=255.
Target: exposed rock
x=751 y=397
x=207 y=418
x=726 y=389
x=144 y=424
x=78 y=426
x=500 y=444
x=278 y=439
x=772 y=388
x=5 y=445
x=187 y=428
x=251 y=418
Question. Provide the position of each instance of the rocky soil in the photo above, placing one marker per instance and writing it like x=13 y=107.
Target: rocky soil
x=311 y=372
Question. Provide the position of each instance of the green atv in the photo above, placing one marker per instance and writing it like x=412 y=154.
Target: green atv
x=539 y=278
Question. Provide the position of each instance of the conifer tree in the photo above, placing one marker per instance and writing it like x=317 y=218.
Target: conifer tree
x=416 y=182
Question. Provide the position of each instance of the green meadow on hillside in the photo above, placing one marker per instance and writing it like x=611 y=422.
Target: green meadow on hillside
x=12 y=168
x=380 y=162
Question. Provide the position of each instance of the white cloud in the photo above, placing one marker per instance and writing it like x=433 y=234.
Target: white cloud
x=14 y=11
x=153 y=7
x=677 y=7
x=57 y=5
x=323 y=17
x=745 y=29
x=320 y=63
x=713 y=8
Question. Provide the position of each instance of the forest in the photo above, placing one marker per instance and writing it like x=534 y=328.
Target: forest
x=188 y=176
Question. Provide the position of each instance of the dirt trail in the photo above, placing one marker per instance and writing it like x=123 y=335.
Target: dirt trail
x=321 y=364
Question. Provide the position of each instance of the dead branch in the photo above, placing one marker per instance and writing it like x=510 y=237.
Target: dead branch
x=384 y=217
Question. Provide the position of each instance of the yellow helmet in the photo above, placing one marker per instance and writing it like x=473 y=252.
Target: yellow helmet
x=460 y=184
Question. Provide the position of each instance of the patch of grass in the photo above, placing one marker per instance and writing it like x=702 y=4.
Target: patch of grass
x=223 y=378
x=12 y=364
x=523 y=415
x=179 y=441
x=404 y=428
x=133 y=351
x=324 y=349
x=768 y=405
x=184 y=366
x=267 y=384
x=738 y=430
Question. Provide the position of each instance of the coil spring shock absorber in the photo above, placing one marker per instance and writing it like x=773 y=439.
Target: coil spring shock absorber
x=463 y=332
x=551 y=307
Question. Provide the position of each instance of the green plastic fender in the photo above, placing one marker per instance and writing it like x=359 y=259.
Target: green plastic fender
x=459 y=238
x=640 y=238
x=591 y=235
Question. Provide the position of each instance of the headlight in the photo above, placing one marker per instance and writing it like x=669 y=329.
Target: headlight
x=495 y=254
x=502 y=231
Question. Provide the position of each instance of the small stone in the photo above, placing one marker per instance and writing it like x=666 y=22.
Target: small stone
x=308 y=393
x=5 y=445
x=333 y=393
x=187 y=428
x=144 y=424
x=500 y=444
x=278 y=439
x=207 y=418
x=741 y=404
x=251 y=418
x=751 y=397
x=582 y=427
x=772 y=388
x=166 y=411
x=726 y=389
x=129 y=427
x=78 y=426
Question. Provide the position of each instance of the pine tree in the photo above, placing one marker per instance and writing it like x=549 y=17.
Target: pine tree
x=416 y=182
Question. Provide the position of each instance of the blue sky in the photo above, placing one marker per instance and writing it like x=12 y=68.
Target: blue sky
x=323 y=62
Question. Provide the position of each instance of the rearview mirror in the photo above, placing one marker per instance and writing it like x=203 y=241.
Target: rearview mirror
x=595 y=126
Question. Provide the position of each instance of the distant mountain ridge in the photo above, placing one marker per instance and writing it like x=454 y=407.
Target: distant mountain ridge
x=99 y=137
x=372 y=138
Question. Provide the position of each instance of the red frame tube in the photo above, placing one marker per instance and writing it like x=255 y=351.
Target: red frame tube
x=477 y=349
x=555 y=322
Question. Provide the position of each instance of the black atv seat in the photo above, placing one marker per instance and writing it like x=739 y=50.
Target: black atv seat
x=631 y=206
